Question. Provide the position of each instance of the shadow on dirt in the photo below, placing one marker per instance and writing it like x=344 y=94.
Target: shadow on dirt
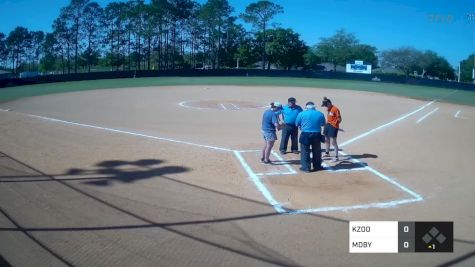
x=126 y=171
x=130 y=171
x=345 y=162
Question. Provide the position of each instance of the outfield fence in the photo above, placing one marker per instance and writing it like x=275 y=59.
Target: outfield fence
x=8 y=82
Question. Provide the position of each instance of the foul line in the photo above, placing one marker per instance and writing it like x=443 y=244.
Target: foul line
x=385 y=125
x=384 y=177
x=427 y=115
x=354 y=207
x=257 y=181
x=131 y=133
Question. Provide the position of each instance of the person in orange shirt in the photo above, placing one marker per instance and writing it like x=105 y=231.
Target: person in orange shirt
x=332 y=127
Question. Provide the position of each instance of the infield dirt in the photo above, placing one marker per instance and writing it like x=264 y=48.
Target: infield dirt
x=92 y=197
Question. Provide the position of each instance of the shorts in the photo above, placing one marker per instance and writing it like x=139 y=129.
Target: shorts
x=330 y=131
x=269 y=136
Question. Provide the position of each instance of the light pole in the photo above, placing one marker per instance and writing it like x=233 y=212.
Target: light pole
x=471 y=18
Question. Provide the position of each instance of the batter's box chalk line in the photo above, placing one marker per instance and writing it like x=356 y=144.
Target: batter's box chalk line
x=281 y=162
x=279 y=206
x=254 y=177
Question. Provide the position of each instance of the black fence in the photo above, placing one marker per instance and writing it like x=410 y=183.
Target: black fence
x=7 y=82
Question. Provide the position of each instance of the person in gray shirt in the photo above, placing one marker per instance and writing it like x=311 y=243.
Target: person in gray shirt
x=270 y=123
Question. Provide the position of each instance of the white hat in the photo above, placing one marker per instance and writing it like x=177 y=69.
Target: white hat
x=277 y=104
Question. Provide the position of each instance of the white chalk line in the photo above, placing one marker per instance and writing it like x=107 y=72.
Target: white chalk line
x=281 y=162
x=384 y=177
x=185 y=105
x=415 y=197
x=389 y=204
x=258 y=183
x=427 y=115
x=382 y=205
x=332 y=169
x=131 y=133
x=385 y=125
x=221 y=106
x=457 y=114
x=254 y=177
x=286 y=165
x=280 y=208
x=274 y=173
x=235 y=106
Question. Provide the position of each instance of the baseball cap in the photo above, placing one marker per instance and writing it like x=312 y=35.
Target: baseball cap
x=276 y=104
x=292 y=99
x=310 y=105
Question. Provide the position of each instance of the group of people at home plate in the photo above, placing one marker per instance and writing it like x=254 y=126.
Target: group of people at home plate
x=292 y=119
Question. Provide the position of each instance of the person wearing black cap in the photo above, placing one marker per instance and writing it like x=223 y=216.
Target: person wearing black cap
x=332 y=127
x=310 y=122
x=290 y=113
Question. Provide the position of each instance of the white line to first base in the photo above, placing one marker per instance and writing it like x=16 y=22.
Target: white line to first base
x=427 y=115
x=385 y=125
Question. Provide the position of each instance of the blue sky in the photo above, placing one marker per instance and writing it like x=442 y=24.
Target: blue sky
x=439 y=25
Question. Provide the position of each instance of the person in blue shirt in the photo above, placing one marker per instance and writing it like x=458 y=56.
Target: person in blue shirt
x=310 y=123
x=270 y=122
x=289 y=129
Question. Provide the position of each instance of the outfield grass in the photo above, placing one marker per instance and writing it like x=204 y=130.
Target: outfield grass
x=412 y=91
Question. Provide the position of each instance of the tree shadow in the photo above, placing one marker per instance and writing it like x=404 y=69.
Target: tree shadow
x=128 y=169
x=171 y=226
x=111 y=171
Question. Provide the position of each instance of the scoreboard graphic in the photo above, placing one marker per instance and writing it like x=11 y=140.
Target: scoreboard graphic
x=399 y=237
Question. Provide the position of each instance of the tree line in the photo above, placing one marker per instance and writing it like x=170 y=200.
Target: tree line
x=183 y=34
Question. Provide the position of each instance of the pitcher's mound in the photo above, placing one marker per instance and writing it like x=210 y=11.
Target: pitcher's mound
x=221 y=104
